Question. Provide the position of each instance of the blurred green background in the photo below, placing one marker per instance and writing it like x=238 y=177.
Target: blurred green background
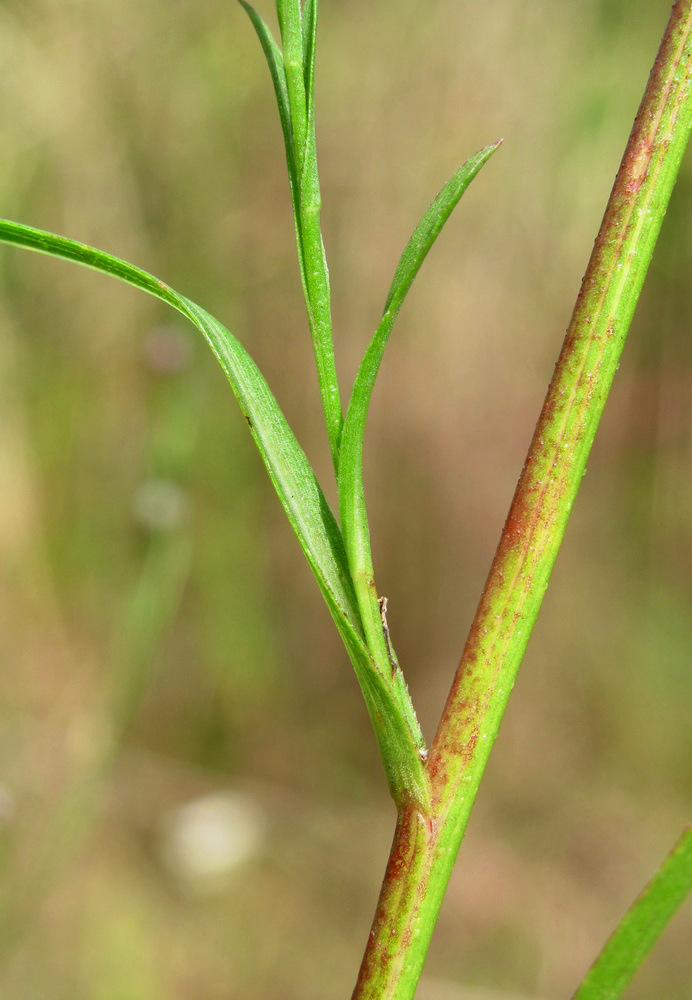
x=191 y=801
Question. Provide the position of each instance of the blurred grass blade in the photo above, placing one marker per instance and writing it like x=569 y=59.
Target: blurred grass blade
x=295 y=484
x=641 y=926
x=351 y=491
x=150 y=606
x=309 y=36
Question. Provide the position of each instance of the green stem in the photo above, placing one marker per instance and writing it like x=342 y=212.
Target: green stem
x=387 y=972
x=425 y=849
x=308 y=207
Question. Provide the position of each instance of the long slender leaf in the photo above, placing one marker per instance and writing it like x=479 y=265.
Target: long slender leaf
x=295 y=484
x=290 y=23
x=298 y=33
x=275 y=62
x=286 y=463
x=318 y=298
x=641 y=926
x=291 y=72
x=351 y=490
x=309 y=37
x=431 y=225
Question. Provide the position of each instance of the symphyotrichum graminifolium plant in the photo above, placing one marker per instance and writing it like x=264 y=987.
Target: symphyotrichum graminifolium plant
x=434 y=788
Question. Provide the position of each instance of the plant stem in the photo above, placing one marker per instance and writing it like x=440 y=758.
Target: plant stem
x=308 y=207
x=425 y=847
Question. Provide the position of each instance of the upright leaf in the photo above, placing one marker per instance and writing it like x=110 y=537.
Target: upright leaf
x=299 y=39
x=295 y=484
x=290 y=23
x=293 y=76
x=309 y=39
x=275 y=62
x=318 y=290
x=351 y=490
x=431 y=225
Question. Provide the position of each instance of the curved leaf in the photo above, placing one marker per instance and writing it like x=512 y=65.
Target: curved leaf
x=351 y=491
x=288 y=468
x=275 y=62
x=295 y=483
x=431 y=225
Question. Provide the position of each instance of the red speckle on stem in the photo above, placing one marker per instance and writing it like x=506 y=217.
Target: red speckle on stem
x=403 y=888
x=636 y=165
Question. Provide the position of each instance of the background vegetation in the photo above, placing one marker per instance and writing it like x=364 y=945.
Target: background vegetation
x=161 y=639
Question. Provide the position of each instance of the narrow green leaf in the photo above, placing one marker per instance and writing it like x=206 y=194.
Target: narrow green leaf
x=309 y=37
x=299 y=61
x=291 y=72
x=430 y=226
x=295 y=484
x=289 y=470
x=351 y=490
x=641 y=926
x=290 y=23
x=275 y=62
x=318 y=295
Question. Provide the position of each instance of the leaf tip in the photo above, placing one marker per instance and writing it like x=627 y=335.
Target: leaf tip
x=489 y=150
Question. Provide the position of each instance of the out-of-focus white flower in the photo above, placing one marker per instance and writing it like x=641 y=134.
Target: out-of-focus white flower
x=204 y=841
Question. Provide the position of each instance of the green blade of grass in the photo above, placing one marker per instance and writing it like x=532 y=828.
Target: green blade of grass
x=291 y=26
x=288 y=468
x=642 y=925
x=293 y=76
x=309 y=37
x=275 y=62
x=318 y=292
x=295 y=483
x=351 y=490
x=298 y=34
x=431 y=225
